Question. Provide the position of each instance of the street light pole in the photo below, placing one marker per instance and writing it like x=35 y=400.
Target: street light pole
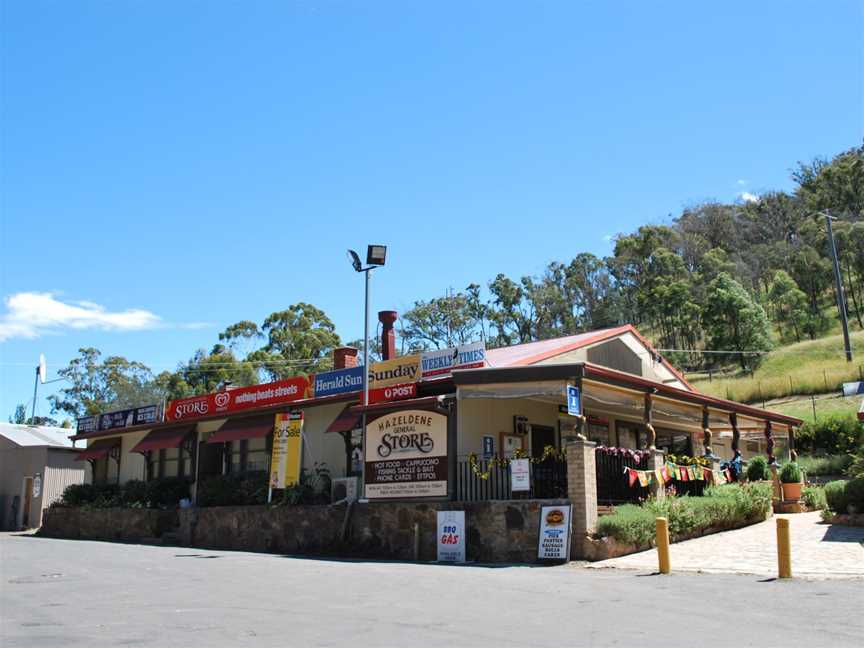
x=368 y=272
x=841 y=300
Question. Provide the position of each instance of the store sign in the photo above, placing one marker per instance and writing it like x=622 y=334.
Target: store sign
x=396 y=392
x=451 y=536
x=287 y=450
x=406 y=455
x=405 y=369
x=520 y=475
x=574 y=401
x=340 y=381
x=88 y=424
x=275 y=393
x=445 y=361
x=147 y=415
x=554 y=541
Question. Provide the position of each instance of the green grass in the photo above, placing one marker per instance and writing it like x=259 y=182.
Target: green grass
x=826 y=407
x=811 y=367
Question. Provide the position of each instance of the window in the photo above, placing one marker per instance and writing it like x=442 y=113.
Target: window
x=248 y=455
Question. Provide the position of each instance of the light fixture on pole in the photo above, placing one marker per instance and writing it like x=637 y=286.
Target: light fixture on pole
x=376 y=255
x=841 y=300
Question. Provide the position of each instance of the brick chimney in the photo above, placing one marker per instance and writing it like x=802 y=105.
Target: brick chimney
x=388 y=335
x=344 y=357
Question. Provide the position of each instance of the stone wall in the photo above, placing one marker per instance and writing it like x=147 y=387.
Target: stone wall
x=497 y=531
x=123 y=524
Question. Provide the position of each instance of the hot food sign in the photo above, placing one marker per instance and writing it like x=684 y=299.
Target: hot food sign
x=275 y=393
x=406 y=455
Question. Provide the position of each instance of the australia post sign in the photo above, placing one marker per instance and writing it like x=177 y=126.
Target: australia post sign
x=281 y=391
x=406 y=455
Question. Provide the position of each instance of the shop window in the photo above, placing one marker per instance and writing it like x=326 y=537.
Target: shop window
x=247 y=455
x=598 y=432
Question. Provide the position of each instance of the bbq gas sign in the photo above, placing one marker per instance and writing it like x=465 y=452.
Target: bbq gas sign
x=406 y=455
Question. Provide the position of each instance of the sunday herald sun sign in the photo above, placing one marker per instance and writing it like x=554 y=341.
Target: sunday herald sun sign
x=235 y=400
x=406 y=455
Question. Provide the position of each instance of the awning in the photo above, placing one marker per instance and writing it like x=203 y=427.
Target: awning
x=98 y=449
x=505 y=390
x=163 y=439
x=425 y=403
x=254 y=427
x=346 y=421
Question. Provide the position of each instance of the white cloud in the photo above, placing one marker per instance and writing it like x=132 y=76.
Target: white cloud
x=746 y=196
x=608 y=238
x=741 y=183
x=30 y=314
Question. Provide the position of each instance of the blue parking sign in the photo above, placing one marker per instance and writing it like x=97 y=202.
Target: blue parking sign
x=574 y=402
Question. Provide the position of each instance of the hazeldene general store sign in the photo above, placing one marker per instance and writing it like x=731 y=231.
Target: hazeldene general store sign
x=406 y=455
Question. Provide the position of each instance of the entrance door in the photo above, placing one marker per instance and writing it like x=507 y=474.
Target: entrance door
x=550 y=475
x=210 y=459
x=28 y=499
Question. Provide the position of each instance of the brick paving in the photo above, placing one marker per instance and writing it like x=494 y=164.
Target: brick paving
x=818 y=551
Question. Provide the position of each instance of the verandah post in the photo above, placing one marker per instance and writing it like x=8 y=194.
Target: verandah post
x=582 y=491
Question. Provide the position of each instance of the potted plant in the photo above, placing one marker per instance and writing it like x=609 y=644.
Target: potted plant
x=757 y=469
x=790 y=478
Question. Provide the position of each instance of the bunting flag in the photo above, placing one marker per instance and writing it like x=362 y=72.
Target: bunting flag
x=632 y=476
x=672 y=471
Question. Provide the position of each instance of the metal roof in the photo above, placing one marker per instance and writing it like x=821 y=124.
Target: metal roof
x=36 y=435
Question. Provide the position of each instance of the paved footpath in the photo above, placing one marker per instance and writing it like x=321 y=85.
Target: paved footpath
x=818 y=551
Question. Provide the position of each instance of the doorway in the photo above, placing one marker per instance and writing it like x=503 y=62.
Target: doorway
x=28 y=500
x=549 y=475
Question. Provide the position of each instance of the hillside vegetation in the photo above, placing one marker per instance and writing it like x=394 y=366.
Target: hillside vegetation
x=811 y=367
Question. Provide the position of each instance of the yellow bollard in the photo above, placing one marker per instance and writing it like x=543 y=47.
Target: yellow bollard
x=784 y=549
x=663 y=545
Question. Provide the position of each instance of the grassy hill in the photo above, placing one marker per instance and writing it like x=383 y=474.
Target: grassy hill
x=811 y=367
x=816 y=408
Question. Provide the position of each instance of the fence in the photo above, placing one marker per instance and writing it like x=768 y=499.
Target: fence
x=612 y=486
x=548 y=481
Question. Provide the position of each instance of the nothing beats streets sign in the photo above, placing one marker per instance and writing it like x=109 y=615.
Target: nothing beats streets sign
x=406 y=455
x=281 y=391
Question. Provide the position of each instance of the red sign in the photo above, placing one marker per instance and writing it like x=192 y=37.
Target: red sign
x=392 y=393
x=281 y=391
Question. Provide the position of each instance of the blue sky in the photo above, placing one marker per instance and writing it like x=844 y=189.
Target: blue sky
x=171 y=168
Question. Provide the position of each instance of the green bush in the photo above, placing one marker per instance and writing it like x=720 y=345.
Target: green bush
x=841 y=495
x=790 y=473
x=837 y=434
x=233 y=490
x=826 y=465
x=159 y=493
x=757 y=469
x=814 y=497
x=135 y=494
x=720 y=507
x=166 y=492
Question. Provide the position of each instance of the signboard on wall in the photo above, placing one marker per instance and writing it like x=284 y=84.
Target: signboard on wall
x=287 y=450
x=398 y=371
x=396 y=392
x=451 y=536
x=554 y=541
x=445 y=361
x=147 y=415
x=88 y=424
x=574 y=401
x=274 y=393
x=340 y=381
x=406 y=455
x=520 y=475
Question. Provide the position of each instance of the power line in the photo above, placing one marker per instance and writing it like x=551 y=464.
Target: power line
x=712 y=351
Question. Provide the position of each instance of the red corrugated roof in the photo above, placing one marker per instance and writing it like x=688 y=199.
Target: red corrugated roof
x=163 y=439
x=256 y=427
x=98 y=449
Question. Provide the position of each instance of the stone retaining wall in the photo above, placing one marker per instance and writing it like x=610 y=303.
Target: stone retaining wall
x=123 y=524
x=497 y=531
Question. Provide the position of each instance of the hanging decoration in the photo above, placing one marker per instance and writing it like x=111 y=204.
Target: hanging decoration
x=549 y=452
x=672 y=471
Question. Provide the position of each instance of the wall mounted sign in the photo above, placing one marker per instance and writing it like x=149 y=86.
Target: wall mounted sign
x=554 y=541
x=406 y=455
x=488 y=446
x=287 y=450
x=147 y=415
x=88 y=424
x=274 y=393
x=396 y=392
x=451 y=536
x=340 y=381
x=520 y=475
x=574 y=401
x=445 y=361
x=398 y=371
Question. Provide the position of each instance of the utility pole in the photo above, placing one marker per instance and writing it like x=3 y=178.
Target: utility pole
x=841 y=300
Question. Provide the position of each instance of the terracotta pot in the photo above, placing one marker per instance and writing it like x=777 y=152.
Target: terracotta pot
x=792 y=491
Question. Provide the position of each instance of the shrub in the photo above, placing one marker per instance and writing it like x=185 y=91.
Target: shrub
x=312 y=488
x=757 y=469
x=827 y=465
x=166 y=492
x=135 y=494
x=720 y=507
x=814 y=497
x=790 y=473
x=833 y=434
x=233 y=490
x=842 y=495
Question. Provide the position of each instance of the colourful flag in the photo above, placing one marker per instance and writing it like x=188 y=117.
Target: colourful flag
x=632 y=477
